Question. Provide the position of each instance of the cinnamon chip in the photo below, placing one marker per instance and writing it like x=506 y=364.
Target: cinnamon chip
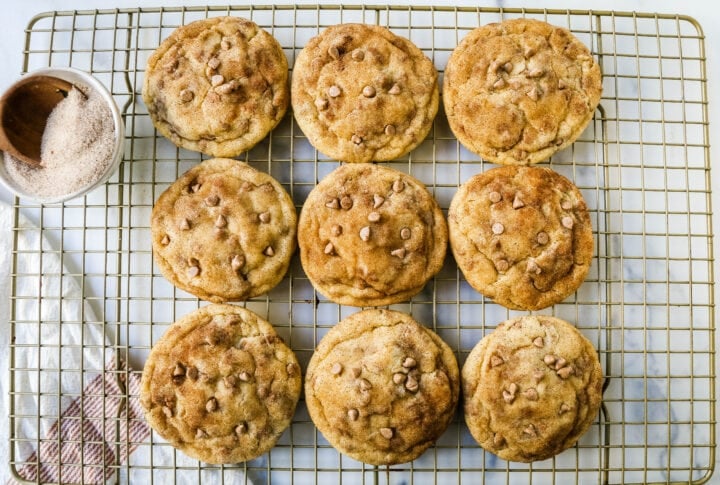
x=368 y=92
x=321 y=104
x=530 y=394
x=399 y=253
x=565 y=372
x=537 y=72
x=387 y=433
x=411 y=384
x=333 y=91
x=186 y=95
x=502 y=265
x=217 y=80
x=365 y=233
x=237 y=262
x=346 y=202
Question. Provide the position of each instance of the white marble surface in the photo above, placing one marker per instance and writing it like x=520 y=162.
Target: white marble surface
x=18 y=16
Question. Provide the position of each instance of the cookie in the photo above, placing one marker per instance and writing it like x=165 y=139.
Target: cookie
x=224 y=231
x=531 y=388
x=220 y=385
x=518 y=91
x=521 y=236
x=217 y=86
x=361 y=93
x=371 y=236
x=381 y=388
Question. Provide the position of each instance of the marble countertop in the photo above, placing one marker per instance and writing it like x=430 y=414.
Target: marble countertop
x=12 y=39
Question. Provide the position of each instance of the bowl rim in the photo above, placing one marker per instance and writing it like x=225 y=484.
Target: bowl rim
x=74 y=75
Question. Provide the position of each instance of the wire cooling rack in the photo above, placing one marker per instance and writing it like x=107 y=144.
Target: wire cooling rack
x=642 y=165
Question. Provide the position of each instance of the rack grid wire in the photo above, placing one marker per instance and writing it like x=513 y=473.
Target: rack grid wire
x=647 y=305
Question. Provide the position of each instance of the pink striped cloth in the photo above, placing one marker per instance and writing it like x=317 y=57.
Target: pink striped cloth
x=94 y=435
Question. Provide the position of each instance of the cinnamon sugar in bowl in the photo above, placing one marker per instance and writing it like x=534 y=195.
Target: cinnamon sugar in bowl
x=82 y=144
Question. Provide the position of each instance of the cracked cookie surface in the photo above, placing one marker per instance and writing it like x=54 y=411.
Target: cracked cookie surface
x=217 y=86
x=518 y=91
x=521 y=236
x=224 y=231
x=381 y=387
x=361 y=93
x=531 y=388
x=220 y=385
x=371 y=236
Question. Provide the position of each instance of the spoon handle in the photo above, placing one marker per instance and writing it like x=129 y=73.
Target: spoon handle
x=24 y=110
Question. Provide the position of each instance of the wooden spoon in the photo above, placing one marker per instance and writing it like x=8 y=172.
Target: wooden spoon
x=24 y=110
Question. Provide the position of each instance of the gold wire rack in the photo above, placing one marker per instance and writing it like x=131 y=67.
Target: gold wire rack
x=648 y=305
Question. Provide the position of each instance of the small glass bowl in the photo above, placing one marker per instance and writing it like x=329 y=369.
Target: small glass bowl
x=81 y=78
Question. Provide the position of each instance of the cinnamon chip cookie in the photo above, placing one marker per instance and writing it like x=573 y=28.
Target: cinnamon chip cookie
x=531 y=388
x=371 y=236
x=360 y=93
x=518 y=91
x=220 y=385
x=521 y=236
x=217 y=86
x=381 y=387
x=224 y=231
